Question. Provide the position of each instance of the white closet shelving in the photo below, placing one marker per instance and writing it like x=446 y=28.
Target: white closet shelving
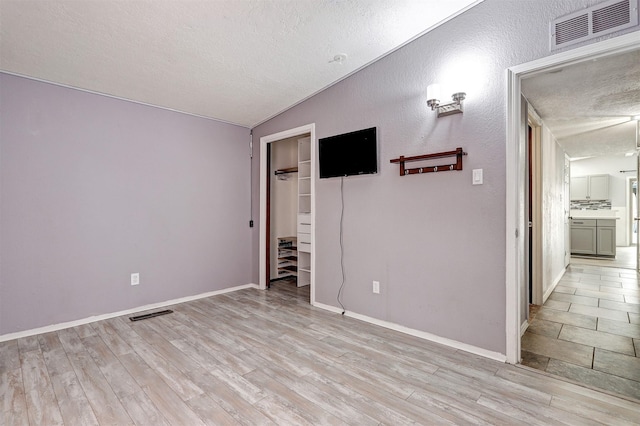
x=304 y=212
x=287 y=257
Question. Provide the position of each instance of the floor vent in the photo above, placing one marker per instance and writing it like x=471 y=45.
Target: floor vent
x=150 y=315
x=592 y=22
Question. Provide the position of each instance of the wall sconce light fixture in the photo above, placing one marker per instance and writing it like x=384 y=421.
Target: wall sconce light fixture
x=433 y=100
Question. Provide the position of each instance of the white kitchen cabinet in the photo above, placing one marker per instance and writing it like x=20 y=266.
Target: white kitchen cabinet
x=599 y=187
x=592 y=187
x=580 y=188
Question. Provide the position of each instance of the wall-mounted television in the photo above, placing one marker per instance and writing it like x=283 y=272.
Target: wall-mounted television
x=349 y=154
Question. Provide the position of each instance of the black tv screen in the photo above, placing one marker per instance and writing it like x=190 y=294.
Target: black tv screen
x=354 y=153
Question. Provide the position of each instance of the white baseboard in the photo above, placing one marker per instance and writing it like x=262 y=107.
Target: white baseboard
x=553 y=285
x=417 y=333
x=328 y=308
x=61 y=326
x=523 y=327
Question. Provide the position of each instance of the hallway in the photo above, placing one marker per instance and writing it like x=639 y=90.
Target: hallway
x=625 y=259
x=589 y=329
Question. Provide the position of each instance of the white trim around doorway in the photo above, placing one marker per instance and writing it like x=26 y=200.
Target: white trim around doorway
x=264 y=141
x=628 y=226
x=516 y=168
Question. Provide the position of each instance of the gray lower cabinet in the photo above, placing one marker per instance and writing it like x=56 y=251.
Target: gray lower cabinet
x=583 y=236
x=606 y=237
x=593 y=236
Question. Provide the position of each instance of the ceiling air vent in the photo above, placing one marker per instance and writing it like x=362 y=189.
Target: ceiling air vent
x=592 y=22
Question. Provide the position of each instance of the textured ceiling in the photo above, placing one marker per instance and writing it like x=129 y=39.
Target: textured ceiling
x=589 y=107
x=240 y=61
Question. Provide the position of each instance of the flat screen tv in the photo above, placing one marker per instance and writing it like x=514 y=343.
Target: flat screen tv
x=354 y=153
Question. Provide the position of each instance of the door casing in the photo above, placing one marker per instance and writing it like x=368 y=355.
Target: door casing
x=635 y=219
x=264 y=142
x=567 y=210
x=535 y=123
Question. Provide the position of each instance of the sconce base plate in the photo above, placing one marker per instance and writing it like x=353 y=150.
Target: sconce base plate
x=450 y=109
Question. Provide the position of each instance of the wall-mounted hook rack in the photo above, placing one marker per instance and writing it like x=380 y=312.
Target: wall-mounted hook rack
x=458 y=153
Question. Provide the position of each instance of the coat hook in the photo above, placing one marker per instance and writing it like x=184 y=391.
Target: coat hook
x=458 y=153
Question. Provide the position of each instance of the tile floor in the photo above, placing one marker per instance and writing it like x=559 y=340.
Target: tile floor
x=589 y=329
x=626 y=257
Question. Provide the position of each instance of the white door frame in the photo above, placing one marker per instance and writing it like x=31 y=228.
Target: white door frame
x=628 y=233
x=536 y=200
x=567 y=208
x=264 y=141
x=637 y=196
x=516 y=226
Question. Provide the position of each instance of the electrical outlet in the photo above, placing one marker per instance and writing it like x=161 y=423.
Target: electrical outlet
x=376 y=287
x=135 y=278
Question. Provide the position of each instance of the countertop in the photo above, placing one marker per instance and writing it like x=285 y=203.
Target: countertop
x=594 y=214
x=595 y=217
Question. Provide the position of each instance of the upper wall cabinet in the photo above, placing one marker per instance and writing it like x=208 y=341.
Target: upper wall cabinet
x=580 y=188
x=599 y=187
x=592 y=187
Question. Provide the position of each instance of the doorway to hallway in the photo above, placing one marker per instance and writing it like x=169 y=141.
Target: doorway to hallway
x=516 y=288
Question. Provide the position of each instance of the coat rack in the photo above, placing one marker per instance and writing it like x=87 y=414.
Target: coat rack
x=458 y=153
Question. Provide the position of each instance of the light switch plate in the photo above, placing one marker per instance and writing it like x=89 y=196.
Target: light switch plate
x=477 y=177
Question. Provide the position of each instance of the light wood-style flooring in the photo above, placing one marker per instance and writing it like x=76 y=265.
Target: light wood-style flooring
x=268 y=357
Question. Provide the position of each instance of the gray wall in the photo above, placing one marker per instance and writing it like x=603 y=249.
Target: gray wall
x=94 y=188
x=435 y=242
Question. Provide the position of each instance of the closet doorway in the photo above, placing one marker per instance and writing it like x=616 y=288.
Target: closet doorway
x=287 y=171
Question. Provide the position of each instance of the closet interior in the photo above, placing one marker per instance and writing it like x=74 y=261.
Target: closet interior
x=290 y=210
